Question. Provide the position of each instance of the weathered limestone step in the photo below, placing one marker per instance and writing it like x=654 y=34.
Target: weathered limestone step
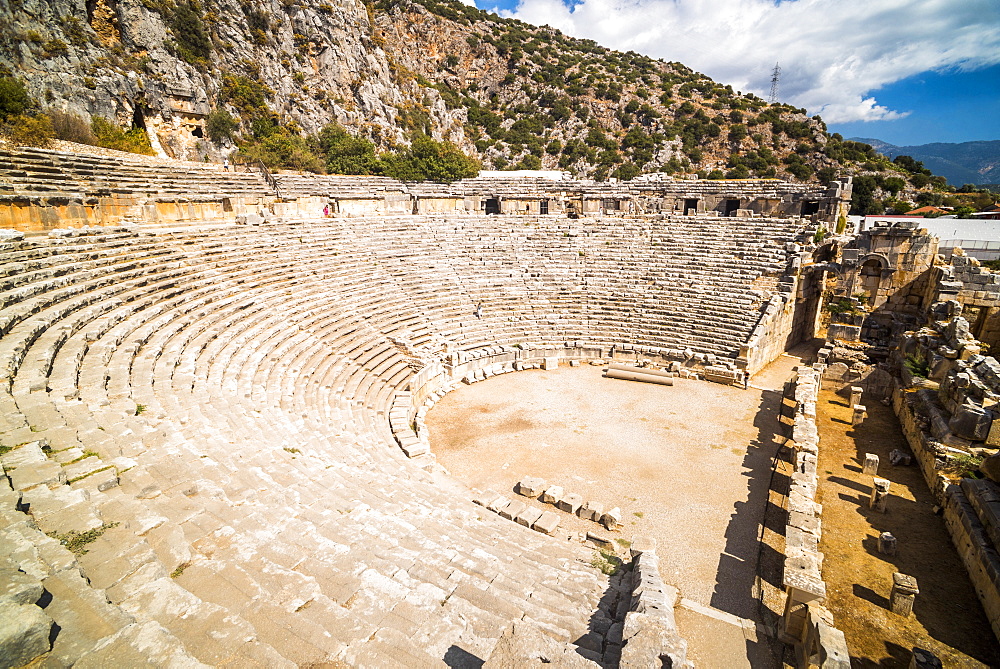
x=209 y=632
x=83 y=614
x=139 y=645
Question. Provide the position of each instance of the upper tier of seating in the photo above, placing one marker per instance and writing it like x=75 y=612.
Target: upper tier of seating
x=46 y=173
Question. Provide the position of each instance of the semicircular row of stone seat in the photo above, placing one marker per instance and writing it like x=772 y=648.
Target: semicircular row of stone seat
x=262 y=514
x=222 y=394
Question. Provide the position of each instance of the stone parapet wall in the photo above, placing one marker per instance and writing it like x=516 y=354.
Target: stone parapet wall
x=42 y=214
x=435 y=379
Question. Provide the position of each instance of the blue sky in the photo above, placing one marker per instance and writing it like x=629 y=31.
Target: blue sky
x=904 y=71
x=944 y=107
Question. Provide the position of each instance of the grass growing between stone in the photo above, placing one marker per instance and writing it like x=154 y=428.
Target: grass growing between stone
x=606 y=562
x=76 y=542
x=86 y=454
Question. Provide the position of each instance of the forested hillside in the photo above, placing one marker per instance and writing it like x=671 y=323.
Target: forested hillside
x=351 y=87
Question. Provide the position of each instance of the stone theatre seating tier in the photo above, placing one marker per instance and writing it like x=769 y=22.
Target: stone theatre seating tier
x=216 y=398
x=47 y=173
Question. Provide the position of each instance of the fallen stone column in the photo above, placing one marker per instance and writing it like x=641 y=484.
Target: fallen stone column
x=880 y=495
x=871 y=465
x=887 y=543
x=860 y=413
x=637 y=376
x=641 y=370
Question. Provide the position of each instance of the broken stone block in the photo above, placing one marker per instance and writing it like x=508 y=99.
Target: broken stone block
x=904 y=592
x=612 y=519
x=546 y=523
x=496 y=505
x=550 y=363
x=924 y=659
x=880 y=495
x=600 y=540
x=860 y=412
x=886 y=544
x=642 y=545
x=24 y=633
x=552 y=495
x=971 y=422
x=591 y=511
x=530 y=486
x=19 y=587
x=511 y=510
x=528 y=516
x=590 y=641
x=571 y=503
x=899 y=458
x=991 y=467
x=524 y=644
x=485 y=498
x=856 y=392
x=871 y=464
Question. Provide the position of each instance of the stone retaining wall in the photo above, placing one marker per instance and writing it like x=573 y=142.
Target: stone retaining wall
x=972 y=516
x=966 y=505
x=770 y=336
x=808 y=624
x=650 y=637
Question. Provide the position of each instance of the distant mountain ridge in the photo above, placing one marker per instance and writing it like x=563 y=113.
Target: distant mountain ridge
x=963 y=163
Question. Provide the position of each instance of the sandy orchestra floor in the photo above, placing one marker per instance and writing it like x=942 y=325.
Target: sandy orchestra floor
x=689 y=464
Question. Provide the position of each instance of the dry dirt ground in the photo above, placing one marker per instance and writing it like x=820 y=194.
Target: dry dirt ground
x=689 y=465
x=947 y=618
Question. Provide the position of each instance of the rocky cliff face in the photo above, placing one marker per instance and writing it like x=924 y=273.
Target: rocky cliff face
x=124 y=60
x=512 y=94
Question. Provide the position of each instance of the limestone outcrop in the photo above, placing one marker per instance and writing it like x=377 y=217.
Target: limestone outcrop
x=507 y=92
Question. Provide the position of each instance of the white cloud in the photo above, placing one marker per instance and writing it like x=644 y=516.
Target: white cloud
x=834 y=54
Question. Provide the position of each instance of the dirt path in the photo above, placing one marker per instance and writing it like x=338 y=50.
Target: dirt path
x=947 y=618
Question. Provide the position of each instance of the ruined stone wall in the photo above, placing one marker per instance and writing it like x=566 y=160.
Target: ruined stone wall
x=977 y=289
x=893 y=268
x=947 y=418
x=806 y=621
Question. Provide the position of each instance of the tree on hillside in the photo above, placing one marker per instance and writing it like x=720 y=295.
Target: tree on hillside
x=430 y=160
x=346 y=154
x=863 y=201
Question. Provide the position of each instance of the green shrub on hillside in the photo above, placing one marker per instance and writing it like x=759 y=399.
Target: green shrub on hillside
x=247 y=95
x=110 y=136
x=346 y=154
x=220 y=125
x=283 y=148
x=23 y=130
x=14 y=98
x=192 y=42
x=72 y=128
